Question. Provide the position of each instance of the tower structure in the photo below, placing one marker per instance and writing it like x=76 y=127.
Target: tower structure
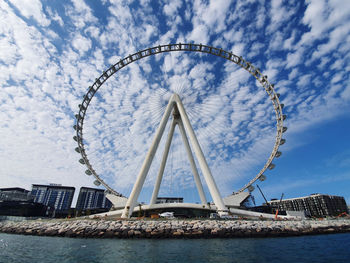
x=181 y=120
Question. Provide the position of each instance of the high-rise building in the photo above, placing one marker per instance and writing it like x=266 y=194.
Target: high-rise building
x=92 y=198
x=317 y=205
x=55 y=196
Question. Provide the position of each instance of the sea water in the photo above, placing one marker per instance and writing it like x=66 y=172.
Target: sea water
x=318 y=248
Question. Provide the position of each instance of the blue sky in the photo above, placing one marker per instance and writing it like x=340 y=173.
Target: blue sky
x=51 y=51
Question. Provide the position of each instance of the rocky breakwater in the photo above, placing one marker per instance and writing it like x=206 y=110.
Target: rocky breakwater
x=173 y=228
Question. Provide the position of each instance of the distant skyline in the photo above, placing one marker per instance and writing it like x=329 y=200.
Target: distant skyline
x=52 y=51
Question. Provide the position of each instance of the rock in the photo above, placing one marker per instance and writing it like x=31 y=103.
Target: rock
x=137 y=233
x=50 y=232
x=109 y=233
x=173 y=228
x=101 y=233
x=61 y=231
x=197 y=233
x=178 y=232
x=155 y=233
x=214 y=232
x=69 y=233
x=28 y=231
x=130 y=233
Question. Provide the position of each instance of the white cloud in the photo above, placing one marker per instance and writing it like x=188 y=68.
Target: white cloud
x=293 y=74
x=147 y=32
x=214 y=15
x=199 y=34
x=93 y=31
x=80 y=14
x=238 y=49
x=336 y=37
x=81 y=44
x=346 y=93
x=260 y=17
x=32 y=9
x=279 y=14
x=55 y=16
x=303 y=81
x=315 y=16
x=295 y=58
x=121 y=12
x=171 y=8
x=255 y=50
x=9 y=56
x=321 y=16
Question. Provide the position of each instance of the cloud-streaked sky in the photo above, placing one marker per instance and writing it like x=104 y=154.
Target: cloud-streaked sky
x=51 y=51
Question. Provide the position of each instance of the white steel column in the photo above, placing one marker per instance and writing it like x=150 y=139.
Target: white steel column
x=193 y=164
x=163 y=163
x=222 y=210
x=130 y=204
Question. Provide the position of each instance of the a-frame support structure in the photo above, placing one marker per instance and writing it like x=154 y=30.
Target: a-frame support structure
x=180 y=118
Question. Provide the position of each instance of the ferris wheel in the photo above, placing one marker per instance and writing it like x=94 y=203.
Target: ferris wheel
x=194 y=48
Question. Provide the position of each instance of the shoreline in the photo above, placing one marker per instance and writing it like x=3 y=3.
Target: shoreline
x=173 y=228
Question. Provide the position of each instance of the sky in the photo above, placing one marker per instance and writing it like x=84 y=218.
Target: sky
x=52 y=51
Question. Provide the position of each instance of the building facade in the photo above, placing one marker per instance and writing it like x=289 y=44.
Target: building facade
x=15 y=194
x=19 y=202
x=316 y=205
x=92 y=198
x=55 y=196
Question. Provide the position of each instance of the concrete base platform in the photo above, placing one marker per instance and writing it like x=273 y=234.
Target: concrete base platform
x=185 y=210
x=178 y=208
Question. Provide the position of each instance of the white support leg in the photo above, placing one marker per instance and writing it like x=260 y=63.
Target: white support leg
x=163 y=163
x=193 y=164
x=222 y=210
x=130 y=204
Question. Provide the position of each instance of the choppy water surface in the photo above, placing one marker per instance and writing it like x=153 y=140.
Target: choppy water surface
x=323 y=248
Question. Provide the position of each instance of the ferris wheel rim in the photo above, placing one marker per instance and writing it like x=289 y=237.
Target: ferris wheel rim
x=189 y=47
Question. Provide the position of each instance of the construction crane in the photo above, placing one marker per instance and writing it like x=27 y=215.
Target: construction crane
x=276 y=215
x=264 y=197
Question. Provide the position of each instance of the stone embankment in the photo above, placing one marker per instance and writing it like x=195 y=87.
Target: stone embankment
x=173 y=228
